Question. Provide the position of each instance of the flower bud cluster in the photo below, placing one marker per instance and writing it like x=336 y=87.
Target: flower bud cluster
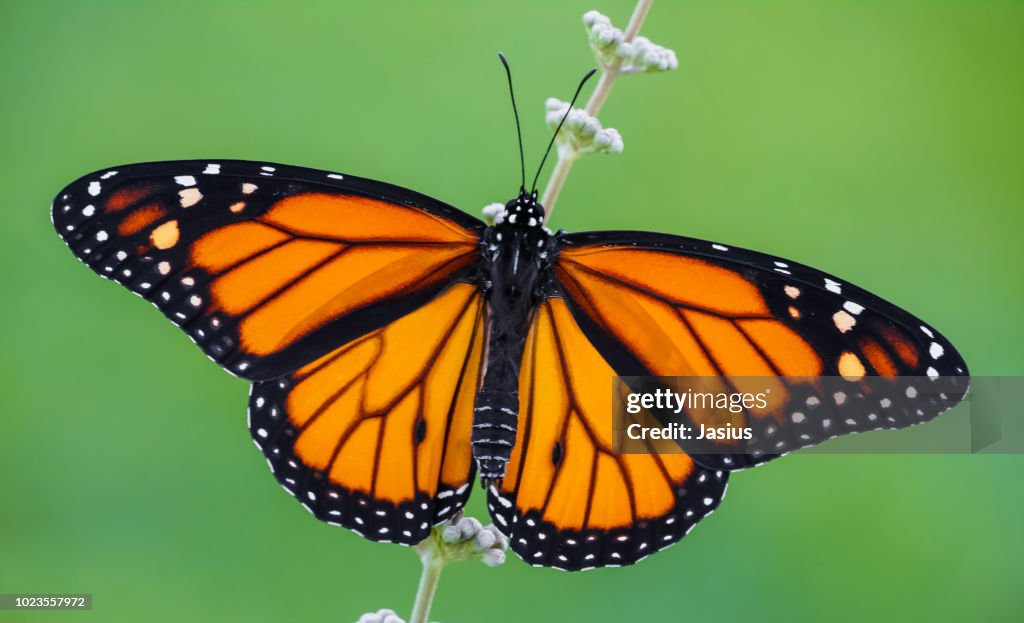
x=581 y=133
x=458 y=538
x=384 y=615
x=466 y=537
x=639 y=55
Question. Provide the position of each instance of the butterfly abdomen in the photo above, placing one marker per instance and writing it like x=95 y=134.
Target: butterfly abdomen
x=494 y=431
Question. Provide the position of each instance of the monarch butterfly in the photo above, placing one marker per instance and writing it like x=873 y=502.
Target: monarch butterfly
x=397 y=347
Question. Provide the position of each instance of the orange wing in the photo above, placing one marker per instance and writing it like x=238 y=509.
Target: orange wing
x=566 y=500
x=375 y=435
x=266 y=267
x=658 y=305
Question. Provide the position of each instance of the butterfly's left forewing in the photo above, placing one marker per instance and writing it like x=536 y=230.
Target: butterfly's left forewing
x=841 y=359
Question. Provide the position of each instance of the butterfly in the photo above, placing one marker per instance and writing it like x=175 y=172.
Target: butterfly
x=399 y=348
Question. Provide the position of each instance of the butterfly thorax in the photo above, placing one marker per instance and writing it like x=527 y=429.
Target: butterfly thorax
x=517 y=253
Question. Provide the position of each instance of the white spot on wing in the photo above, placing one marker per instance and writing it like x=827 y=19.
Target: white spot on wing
x=185 y=180
x=189 y=197
x=94 y=188
x=843 y=321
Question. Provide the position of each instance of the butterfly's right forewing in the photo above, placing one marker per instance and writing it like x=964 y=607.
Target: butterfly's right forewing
x=266 y=267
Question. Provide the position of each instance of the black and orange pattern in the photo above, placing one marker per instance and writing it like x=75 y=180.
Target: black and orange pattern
x=658 y=305
x=266 y=267
x=567 y=500
x=374 y=436
x=399 y=346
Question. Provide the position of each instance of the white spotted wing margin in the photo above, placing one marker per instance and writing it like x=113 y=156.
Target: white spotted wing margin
x=541 y=543
x=139 y=224
x=374 y=436
x=568 y=500
x=405 y=523
x=807 y=323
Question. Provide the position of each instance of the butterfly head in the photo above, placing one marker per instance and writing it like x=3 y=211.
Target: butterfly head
x=524 y=211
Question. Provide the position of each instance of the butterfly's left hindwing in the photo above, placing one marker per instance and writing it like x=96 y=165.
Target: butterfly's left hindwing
x=265 y=266
x=375 y=435
x=661 y=305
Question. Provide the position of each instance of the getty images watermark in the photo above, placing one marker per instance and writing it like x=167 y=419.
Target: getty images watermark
x=774 y=415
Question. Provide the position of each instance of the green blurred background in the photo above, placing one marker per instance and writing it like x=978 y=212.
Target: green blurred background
x=881 y=141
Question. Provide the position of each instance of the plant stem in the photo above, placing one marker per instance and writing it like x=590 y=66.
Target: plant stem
x=604 y=86
x=555 y=182
x=428 y=586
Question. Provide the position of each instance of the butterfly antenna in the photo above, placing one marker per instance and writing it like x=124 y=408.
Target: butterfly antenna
x=515 y=112
x=555 y=135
